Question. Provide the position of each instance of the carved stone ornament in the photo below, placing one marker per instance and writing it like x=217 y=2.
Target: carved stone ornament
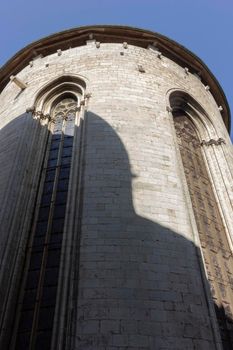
x=213 y=142
x=87 y=95
x=30 y=109
x=40 y=115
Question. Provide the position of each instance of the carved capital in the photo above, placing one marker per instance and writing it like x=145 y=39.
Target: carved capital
x=40 y=115
x=30 y=109
x=213 y=142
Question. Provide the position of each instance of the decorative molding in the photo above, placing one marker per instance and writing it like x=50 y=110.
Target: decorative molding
x=213 y=142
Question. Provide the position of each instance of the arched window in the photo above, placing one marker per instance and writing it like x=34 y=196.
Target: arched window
x=37 y=301
x=216 y=250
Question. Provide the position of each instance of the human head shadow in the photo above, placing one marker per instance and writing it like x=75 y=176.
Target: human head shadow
x=140 y=283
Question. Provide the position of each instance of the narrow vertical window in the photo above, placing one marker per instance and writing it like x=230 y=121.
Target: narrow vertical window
x=214 y=243
x=37 y=307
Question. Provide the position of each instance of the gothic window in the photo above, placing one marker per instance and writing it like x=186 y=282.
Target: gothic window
x=38 y=300
x=213 y=238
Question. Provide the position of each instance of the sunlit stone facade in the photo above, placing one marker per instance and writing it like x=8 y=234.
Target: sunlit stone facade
x=116 y=196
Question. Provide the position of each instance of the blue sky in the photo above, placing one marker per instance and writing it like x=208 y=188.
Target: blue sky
x=203 y=26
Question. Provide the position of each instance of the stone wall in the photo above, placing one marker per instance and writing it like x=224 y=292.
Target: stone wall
x=137 y=279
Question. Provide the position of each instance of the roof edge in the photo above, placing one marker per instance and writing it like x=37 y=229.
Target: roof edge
x=117 y=33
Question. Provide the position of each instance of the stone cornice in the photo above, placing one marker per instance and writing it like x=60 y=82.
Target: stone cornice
x=107 y=33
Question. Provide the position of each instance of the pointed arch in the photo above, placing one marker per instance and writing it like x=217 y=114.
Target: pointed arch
x=58 y=104
x=66 y=84
x=191 y=124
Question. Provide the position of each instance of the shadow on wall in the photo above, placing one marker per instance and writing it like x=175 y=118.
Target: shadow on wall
x=137 y=284
x=140 y=283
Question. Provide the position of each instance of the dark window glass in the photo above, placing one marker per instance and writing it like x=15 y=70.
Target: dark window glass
x=23 y=341
x=36 y=259
x=53 y=154
x=64 y=173
x=61 y=198
x=29 y=299
x=66 y=160
x=42 y=274
x=49 y=296
x=46 y=199
x=48 y=187
x=50 y=175
x=44 y=214
x=51 y=275
x=59 y=211
x=38 y=241
x=63 y=185
x=56 y=139
x=57 y=226
x=66 y=152
x=26 y=320
x=52 y=163
x=68 y=141
x=53 y=258
x=32 y=279
x=43 y=340
x=56 y=238
x=46 y=318
x=55 y=143
x=38 y=248
x=41 y=228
